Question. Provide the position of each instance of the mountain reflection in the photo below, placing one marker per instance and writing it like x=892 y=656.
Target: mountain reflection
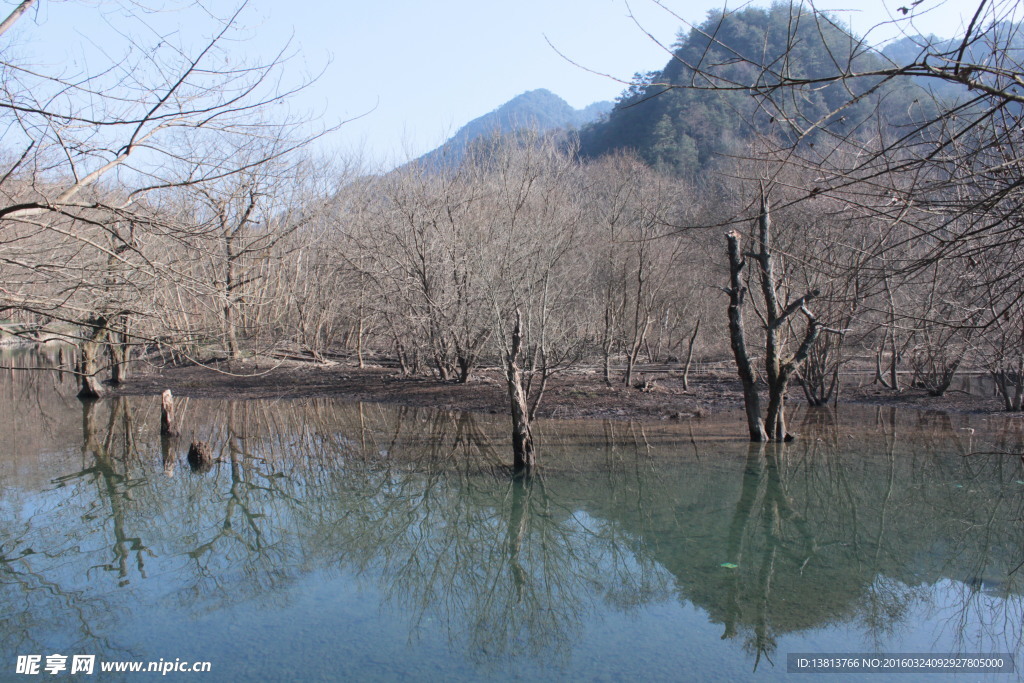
x=856 y=523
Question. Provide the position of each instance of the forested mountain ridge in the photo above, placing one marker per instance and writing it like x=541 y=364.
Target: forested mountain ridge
x=1003 y=40
x=538 y=110
x=681 y=118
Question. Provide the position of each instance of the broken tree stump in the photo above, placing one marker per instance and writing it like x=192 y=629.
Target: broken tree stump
x=167 y=424
x=199 y=457
x=524 y=457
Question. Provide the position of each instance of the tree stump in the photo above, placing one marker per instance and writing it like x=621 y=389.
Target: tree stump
x=88 y=370
x=167 y=425
x=523 y=454
x=199 y=457
x=88 y=382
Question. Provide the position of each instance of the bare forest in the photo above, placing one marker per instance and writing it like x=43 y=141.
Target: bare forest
x=156 y=209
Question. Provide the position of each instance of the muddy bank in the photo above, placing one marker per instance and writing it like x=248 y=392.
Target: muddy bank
x=573 y=395
x=576 y=395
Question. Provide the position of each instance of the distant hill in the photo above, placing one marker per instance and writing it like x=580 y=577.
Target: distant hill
x=909 y=49
x=682 y=130
x=1007 y=36
x=539 y=110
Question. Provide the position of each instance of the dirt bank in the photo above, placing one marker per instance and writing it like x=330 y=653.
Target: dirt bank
x=570 y=395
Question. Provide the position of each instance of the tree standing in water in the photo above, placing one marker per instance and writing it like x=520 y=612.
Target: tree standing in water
x=779 y=366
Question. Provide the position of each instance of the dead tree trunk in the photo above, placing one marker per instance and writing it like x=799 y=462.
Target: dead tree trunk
x=778 y=368
x=199 y=457
x=689 y=356
x=737 y=294
x=522 y=438
x=88 y=369
x=167 y=423
x=119 y=350
x=231 y=331
x=640 y=337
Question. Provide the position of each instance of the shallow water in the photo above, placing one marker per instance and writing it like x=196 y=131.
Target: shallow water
x=340 y=541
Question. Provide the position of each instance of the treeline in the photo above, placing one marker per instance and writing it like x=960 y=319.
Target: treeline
x=235 y=239
x=609 y=262
x=425 y=267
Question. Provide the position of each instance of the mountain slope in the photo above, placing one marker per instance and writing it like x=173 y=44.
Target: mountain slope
x=680 y=128
x=539 y=110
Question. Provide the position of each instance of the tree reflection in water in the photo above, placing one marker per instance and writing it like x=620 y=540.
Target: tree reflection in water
x=769 y=542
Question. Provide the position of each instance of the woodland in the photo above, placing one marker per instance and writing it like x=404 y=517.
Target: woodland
x=782 y=194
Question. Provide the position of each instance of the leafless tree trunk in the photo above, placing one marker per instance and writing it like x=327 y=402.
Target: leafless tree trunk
x=689 y=356
x=168 y=425
x=737 y=334
x=778 y=368
x=89 y=351
x=523 y=454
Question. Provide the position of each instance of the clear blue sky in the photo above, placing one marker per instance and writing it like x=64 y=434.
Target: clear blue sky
x=420 y=70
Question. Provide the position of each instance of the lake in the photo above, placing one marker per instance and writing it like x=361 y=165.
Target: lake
x=337 y=541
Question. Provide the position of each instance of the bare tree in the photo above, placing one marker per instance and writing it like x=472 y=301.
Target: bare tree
x=948 y=183
x=79 y=238
x=241 y=223
x=780 y=360
x=636 y=273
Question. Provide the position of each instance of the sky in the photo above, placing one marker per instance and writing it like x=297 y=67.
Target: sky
x=406 y=74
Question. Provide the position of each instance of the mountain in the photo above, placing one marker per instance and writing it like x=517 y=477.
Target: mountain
x=1002 y=43
x=996 y=42
x=539 y=110
x=681 y=120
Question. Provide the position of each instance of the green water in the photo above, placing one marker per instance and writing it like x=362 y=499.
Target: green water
x=336 y=541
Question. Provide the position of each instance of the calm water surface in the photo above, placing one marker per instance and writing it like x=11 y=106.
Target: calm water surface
x=342 y=541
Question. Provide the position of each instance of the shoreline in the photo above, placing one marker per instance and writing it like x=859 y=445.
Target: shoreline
x=572 y=395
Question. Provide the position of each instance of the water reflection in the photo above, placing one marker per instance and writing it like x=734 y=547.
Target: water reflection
x=884 y=527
